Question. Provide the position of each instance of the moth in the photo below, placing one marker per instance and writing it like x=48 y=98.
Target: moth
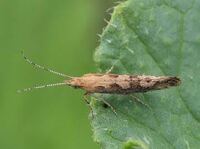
x=121 y=84
x=109 y=83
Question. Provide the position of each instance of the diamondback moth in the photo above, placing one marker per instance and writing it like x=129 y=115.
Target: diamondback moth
x=109 y=83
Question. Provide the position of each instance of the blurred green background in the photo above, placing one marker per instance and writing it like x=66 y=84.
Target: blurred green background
x=60 y=35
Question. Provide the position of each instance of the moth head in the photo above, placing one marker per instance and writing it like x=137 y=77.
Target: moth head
x=75 y=82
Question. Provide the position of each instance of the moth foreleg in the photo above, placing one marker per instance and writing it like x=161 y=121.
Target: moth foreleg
x=110 y=70
x=85 y=97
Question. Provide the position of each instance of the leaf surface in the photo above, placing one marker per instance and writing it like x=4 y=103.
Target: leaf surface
x=151 y=37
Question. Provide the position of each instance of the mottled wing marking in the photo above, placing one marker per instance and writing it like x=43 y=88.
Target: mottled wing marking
x=113 y=75
x=116 y=87
x=100 y=88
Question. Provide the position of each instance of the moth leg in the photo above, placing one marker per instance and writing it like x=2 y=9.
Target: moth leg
x=110 y=70
x=140 y=101
x=109 y=105
x=85 y=97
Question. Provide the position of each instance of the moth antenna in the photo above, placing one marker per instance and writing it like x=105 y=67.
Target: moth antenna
x=43 y=68
x=41 y=86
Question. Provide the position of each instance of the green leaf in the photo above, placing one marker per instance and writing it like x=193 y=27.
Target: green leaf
x=151 y=37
